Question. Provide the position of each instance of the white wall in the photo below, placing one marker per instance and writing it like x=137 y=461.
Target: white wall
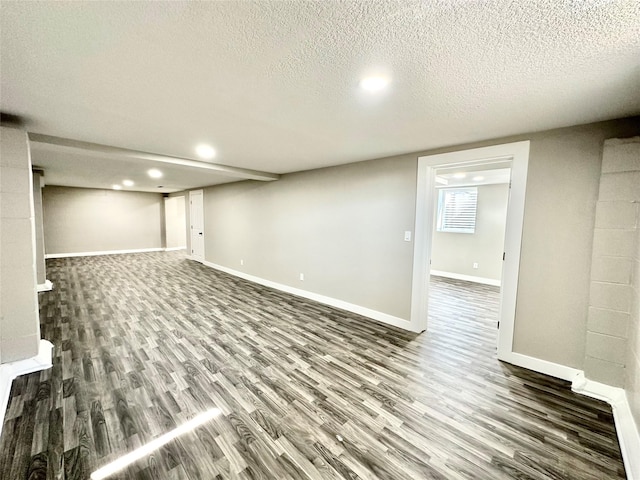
x=19 y=320
x=457 y=252
x=175 y=222
x=78 y=220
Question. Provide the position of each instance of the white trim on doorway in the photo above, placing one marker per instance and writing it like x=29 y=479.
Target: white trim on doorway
x=518 y=154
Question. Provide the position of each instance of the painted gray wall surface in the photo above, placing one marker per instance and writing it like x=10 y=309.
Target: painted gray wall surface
x=557 y=237
x=343 y=227
x=175 y=222
x=89 y=220
x=267 y=220
x=457 y=252
x=41 y=269
x=19 y=320
x=553 y=290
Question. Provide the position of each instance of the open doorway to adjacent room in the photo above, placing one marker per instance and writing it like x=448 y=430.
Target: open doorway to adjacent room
x=467 y=248
x=175 y=221
x=457 y=170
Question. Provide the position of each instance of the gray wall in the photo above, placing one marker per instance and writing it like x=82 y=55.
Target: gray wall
x=343 y=228
x=41 y=268
x=457 y=252
x=19 y=321
x=80 y=220
x=553 y=291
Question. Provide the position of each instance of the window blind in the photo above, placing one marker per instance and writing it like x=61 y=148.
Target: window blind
x=457 y=209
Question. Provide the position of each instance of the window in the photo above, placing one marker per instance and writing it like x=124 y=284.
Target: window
x=457 y=210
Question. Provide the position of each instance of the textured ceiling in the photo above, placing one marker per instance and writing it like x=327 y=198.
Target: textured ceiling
x=274 y=85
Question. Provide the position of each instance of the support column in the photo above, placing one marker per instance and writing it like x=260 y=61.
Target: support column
x=19 y=319
x=612 y=325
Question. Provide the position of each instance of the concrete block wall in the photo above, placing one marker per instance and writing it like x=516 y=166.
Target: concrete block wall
x=19 y=322
x=611 y=357
x=632 y=361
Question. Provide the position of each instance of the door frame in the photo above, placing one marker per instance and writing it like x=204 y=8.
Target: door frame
x=518 y=153
x=191 y=216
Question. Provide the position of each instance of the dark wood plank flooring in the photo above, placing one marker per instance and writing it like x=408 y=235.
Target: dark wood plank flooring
x=144 y=343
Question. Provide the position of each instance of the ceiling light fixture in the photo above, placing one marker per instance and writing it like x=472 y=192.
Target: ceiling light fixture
x=116 y=187
x=205 y=151
x=128 y=183
x=478 y=178
x=154 y=173
x=374 y=84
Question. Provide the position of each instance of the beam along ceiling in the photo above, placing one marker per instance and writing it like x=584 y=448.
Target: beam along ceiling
x=274 y=86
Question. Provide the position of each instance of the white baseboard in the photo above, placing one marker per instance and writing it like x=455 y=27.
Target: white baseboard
x=104 y=252
x=44 y=287
x=468 y=278
x=9 y=371
x=333 y=302
x=541 y=366
x=626 y=428
x=172 y=249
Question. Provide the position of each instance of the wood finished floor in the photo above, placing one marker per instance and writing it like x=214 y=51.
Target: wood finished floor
x=145 y=342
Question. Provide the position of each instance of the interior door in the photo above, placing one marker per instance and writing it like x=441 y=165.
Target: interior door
x=196 y=218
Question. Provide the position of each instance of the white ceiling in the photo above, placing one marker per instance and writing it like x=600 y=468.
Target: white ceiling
x=273 y=85
x=472 y=177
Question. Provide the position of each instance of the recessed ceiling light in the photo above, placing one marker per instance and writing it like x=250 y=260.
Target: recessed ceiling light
x=205 y=151
x=374 y=84
x=116 y=187
x=128 y=183
x=154 y=173
x=459 y=175
x=442 y=181
x=478 y=178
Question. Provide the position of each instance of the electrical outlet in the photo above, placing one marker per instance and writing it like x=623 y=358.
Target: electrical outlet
x=302 y=276
x=241 y=262
x=475 y=265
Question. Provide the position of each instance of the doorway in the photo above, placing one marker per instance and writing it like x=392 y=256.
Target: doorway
x=175 y=221
x=466 y=254
x=196 y=219
x=470 y=215
x=518 y=155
